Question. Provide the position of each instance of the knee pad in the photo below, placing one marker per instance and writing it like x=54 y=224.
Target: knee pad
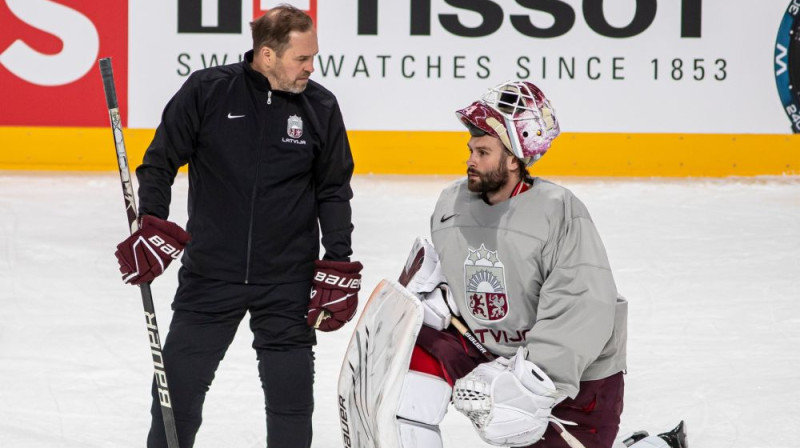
x=417 y=435
x=423 y=405
x=423 y=398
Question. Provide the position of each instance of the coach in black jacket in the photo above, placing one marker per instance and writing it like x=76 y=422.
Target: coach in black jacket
x=269 y=165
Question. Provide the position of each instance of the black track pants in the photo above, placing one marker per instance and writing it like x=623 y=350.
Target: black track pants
x=206 y=316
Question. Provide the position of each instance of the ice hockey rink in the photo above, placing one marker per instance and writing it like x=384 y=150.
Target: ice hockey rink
x=711 y=268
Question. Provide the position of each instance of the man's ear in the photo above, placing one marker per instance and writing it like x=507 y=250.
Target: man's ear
x=512 y=162
x=267 y=54
x=516 y=165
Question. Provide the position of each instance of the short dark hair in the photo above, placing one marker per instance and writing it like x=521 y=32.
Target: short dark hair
x=522 y=169
x=273 y=28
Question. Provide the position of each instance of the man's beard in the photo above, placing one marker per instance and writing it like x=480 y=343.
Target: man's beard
x=288 y=85
x=489 y=182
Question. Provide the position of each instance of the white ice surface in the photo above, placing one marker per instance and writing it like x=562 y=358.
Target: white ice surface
x=711 y=269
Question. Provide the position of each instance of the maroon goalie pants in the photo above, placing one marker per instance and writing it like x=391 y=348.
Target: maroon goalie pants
x=596 y=409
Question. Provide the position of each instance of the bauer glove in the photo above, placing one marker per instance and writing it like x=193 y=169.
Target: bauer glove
x=146 y=254
x=334 y=294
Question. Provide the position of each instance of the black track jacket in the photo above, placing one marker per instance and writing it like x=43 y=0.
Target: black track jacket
x=265 y=167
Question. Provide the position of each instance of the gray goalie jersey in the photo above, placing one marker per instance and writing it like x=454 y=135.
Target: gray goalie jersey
x=533 y=271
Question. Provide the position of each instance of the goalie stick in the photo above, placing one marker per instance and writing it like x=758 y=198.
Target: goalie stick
x=468 y=335
x=160 y=375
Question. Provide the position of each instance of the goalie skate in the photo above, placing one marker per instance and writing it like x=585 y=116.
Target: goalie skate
x=375 y=363
x=676 y=438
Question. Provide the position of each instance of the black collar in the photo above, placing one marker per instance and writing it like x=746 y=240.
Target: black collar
x=259 y=81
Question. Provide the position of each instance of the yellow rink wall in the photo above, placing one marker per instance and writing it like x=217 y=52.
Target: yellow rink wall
x=401 y=152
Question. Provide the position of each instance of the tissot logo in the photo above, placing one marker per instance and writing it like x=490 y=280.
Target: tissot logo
x=48 y=54
x=493 y=15
x=225 y=16
x=201 y=16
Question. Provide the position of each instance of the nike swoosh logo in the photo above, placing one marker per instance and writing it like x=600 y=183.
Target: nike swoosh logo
x=234 y=116
x=446 y=217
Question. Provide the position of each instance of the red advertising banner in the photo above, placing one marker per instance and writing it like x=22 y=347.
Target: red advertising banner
x=48 y=61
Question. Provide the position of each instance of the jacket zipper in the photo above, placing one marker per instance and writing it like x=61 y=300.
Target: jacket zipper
x=250 y=228
x=253 y=207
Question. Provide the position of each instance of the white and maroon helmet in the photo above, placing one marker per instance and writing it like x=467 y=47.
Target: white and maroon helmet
x=517 y=113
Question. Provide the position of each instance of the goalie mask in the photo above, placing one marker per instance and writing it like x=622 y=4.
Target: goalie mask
x=517 y=113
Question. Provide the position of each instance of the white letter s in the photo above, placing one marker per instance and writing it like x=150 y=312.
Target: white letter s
x=78 y=34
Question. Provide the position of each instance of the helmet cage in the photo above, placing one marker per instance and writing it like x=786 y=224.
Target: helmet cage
x=528 y=118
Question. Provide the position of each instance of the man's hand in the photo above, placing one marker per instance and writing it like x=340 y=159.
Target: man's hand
x=334 y=294
x=145 y=254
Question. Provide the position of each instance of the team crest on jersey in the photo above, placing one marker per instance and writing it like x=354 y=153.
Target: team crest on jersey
x=294 y=126
x=485 y=283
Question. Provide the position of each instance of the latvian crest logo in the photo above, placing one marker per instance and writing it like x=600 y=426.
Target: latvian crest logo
x=294 y=126
x=485 y=285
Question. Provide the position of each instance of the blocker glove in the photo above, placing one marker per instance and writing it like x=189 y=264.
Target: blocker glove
x=334 y=294
x=422 y=276
x=145 y=254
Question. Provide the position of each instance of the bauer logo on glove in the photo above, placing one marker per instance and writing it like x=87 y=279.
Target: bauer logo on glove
x=334 y=294
x=146 y=254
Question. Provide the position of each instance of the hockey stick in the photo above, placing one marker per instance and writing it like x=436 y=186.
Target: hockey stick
x=130 y=207
x=468 y=335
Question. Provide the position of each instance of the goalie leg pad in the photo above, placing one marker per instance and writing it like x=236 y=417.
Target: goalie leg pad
x=375 y=365
x=423 y=398
x=417 y=435
x=423 y=405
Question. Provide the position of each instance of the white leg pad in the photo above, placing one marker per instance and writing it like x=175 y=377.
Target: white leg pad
x=423 y=398
x=417 y=435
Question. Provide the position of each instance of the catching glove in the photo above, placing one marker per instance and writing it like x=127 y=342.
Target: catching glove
x=334 y=294
x=508 y=401
x=145 y=254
